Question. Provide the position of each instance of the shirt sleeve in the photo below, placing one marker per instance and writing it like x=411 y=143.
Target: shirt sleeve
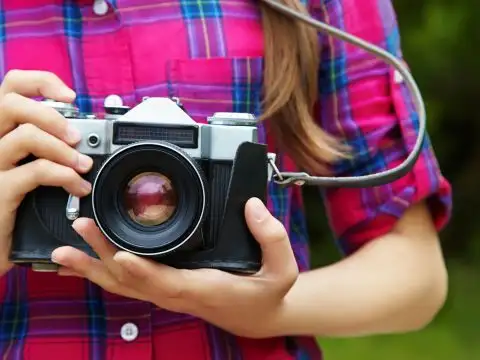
x=364 y=102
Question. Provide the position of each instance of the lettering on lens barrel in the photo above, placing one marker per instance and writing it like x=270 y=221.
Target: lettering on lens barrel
x=164 y=187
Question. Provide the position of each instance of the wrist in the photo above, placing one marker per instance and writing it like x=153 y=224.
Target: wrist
x=280 y=322
x=265 y=327
x=289 y=319
x=283 y=323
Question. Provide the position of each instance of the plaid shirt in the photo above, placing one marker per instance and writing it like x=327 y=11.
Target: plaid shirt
x=209 y=54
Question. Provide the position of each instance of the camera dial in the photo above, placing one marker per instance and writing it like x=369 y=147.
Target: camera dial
x=67 y=110
x=232 y=119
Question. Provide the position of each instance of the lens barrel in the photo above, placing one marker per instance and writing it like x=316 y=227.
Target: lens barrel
x=149 y=198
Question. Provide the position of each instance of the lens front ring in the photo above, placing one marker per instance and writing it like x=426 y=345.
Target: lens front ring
x=164 y=158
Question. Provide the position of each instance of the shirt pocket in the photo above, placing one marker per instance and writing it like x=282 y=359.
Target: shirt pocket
x=227 y=84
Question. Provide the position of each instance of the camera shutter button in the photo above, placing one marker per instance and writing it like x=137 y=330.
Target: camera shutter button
x=113 y=101
x=129 y=332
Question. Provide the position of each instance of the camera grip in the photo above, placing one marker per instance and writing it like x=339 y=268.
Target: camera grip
x=235 y=248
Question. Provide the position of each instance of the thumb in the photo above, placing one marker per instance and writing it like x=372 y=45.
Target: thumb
x=277 y=252
x=33 y=83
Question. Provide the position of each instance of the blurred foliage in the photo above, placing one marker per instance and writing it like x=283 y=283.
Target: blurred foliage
x=440 y=42
x=452 y=336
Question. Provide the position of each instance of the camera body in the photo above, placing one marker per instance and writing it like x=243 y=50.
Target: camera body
x=164 y=187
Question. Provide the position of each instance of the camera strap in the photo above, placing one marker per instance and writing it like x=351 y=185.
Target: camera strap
x=381 y=178
x=302 y=178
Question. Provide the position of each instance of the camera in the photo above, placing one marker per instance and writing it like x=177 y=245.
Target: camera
x=164 y=187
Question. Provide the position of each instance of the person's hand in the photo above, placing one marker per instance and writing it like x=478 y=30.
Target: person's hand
x=247 y=306
x=28 y=127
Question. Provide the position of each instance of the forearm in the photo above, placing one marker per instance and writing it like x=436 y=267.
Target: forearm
x=389 y=286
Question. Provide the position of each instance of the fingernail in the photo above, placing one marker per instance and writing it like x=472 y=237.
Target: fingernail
x=73 y=135
x=69 y=93
x=84 y=162
x=259 y=211
x=55 y=258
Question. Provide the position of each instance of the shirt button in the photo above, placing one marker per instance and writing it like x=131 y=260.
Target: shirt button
x=100 y=7
x=129 y=332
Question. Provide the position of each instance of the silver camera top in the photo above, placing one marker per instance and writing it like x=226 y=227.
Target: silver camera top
x=159 y=119
x=233 y=119
x=67 y=110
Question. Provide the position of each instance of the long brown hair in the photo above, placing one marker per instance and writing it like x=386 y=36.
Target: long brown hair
x=292 y=57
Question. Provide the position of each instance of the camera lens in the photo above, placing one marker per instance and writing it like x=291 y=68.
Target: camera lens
x=150 y=199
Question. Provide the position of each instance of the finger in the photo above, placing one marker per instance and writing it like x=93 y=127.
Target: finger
x=184 y=290
x=63 y=271
x=77 y=262
x=89 y=231
x=16 y=109
x=171 y=282
x=278 y=257
x=34 y=83
x=29 y=139
x=74 y=262
x=27 y=177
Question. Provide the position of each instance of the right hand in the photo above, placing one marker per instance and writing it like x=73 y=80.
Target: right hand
x=29 y=127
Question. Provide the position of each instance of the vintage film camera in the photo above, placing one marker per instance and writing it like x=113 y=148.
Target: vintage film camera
x=164 y=187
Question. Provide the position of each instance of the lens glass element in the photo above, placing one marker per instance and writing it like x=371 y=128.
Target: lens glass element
x=150 y=199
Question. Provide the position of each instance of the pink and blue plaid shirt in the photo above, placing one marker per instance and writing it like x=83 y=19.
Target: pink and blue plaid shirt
x=209 y=54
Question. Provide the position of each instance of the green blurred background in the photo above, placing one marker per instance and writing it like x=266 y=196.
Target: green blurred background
x=441 y=42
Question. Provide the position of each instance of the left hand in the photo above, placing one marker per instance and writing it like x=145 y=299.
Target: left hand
x=248 y=306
